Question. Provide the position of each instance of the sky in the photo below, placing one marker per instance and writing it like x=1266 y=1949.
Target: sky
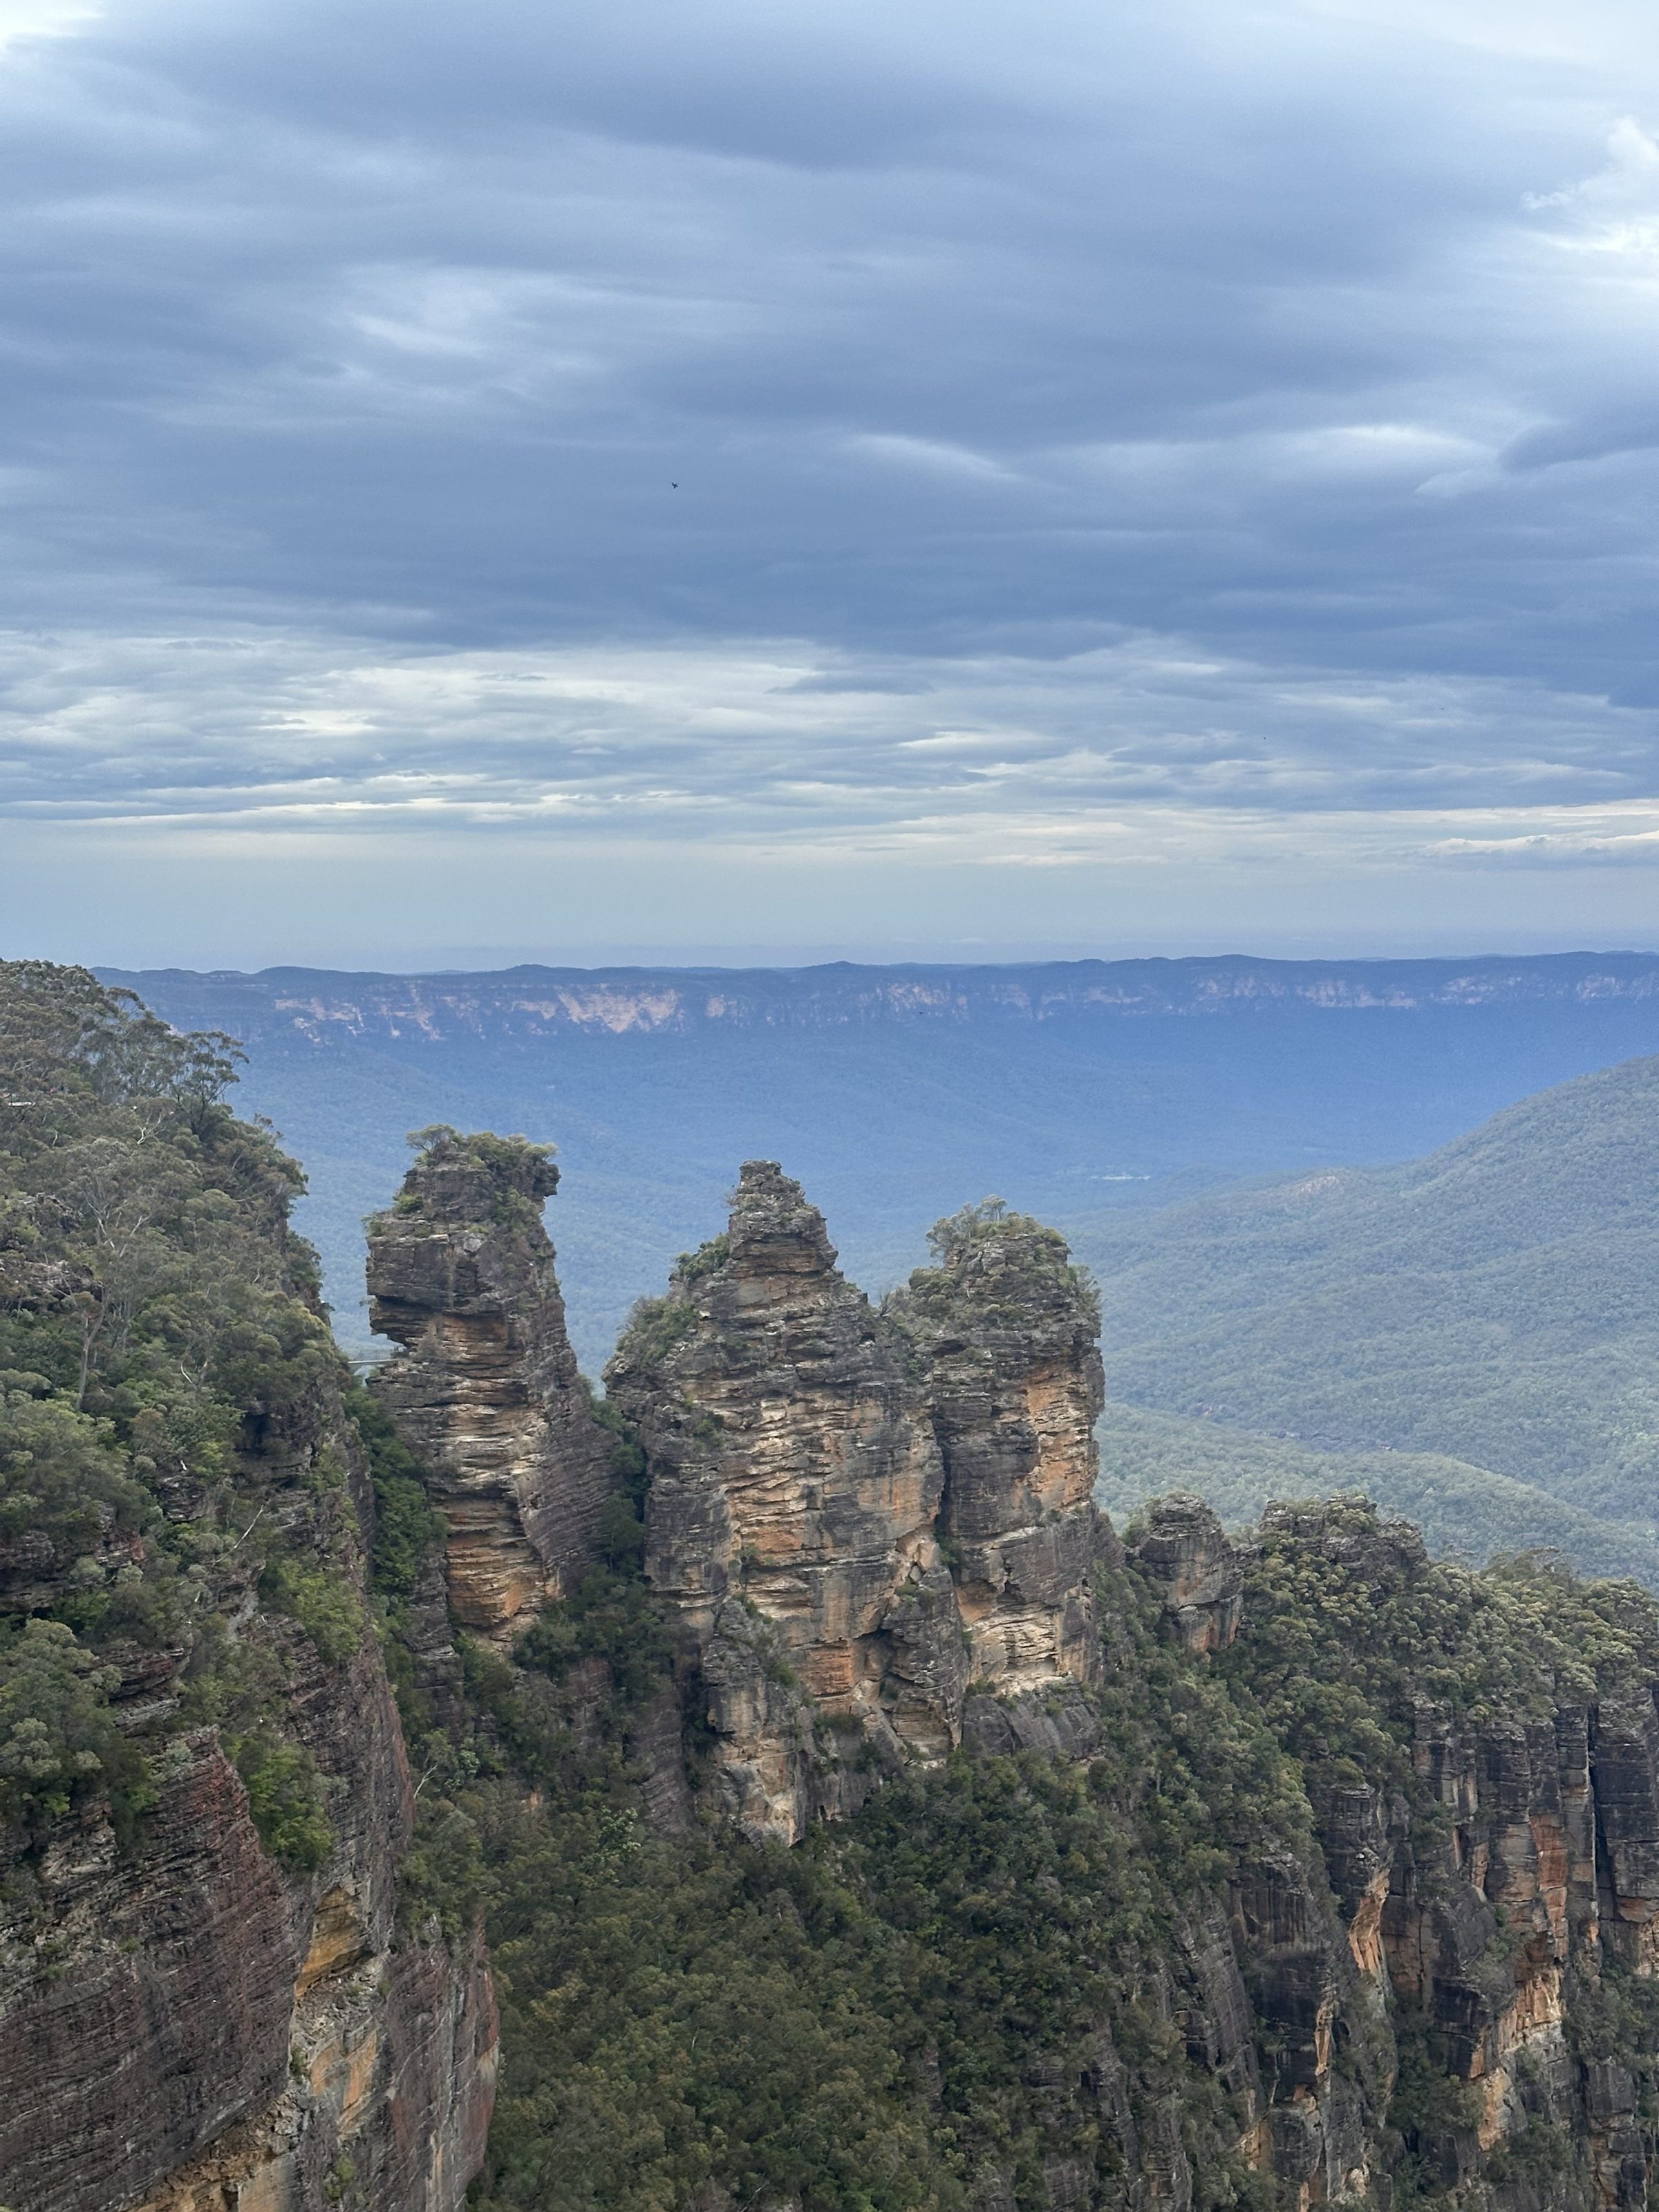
x=701 y=479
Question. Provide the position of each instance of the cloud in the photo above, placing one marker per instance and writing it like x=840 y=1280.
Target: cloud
x=732 y=420
x=760 y=738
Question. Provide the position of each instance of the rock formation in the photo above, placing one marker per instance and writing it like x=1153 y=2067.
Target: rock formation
x=1183 y=1554
x=189 y=2023
x=851 y=1512
x=1343 y=1868
x=1006 y=1329
x=1490 y=1909
x=485 y=1389
x=795 y=1482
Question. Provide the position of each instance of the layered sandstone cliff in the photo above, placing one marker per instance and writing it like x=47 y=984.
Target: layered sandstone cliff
x=195 y=2016
x=795 y=1482
x=1007 y=1329
x=1182 y=1552
x=852 y=1513
x=213 y=1991
x=485 y=1389
x=1486 y=1894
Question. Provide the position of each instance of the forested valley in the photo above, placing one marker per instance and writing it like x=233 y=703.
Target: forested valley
x=770 y=1783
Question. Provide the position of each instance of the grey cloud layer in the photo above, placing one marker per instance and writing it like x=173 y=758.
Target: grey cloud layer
x=1195 y=407
x=770 y=741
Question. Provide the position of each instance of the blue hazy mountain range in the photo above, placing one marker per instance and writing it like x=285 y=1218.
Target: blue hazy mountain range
x=1080 y=1090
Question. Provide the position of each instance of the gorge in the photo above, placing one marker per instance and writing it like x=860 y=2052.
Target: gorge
x=778 y=1769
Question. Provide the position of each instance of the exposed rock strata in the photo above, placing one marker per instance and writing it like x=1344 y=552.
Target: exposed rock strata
x=486 y=1390
x=1491 y=1918
x=795 y=1483
x=188 y=2025
x=852 y=1513
x=1006 y=1327
x=1183 y=1554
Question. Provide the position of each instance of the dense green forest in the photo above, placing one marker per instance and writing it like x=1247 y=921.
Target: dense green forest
x=1496 y=1304
x=159 y=1330
x=1466 y=1513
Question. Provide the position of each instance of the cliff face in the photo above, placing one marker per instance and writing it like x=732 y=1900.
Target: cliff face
x=206 y=1999
x=485 y=1390
x=520 y=1003
x=1292 y=1872
x=190 y=2023
x=1490 y=1893
x=1183 y=1554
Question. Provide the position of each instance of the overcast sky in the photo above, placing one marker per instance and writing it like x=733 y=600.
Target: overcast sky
x=850 y=476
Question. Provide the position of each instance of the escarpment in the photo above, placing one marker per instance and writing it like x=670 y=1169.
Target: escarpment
x=1174 y=1874
x=209 y=1996
x=485 y=1388
x=1482 y=1758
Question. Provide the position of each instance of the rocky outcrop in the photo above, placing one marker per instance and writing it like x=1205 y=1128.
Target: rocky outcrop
x=1007 y=1329
x=851 y=1513
x=1485 y=1901
x=795 y=1485
x=486 y=1389
x=1316 y=2133
x=208 y=2003
x=1182 y=1551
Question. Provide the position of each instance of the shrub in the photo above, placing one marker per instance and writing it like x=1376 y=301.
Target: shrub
x=285 y=1798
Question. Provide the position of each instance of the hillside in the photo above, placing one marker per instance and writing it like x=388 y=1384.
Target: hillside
x=1497 y=1302
x=1465 y=1512
x=1075 y=1090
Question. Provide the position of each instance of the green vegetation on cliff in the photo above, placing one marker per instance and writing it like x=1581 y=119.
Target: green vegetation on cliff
x=944 y=1985
x=1128 y=1974
x=989 y=1985
x=162 y=1357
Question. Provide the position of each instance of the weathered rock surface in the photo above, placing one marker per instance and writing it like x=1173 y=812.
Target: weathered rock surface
x=1006 y=1329
x=485 y=1389
x=186 y=2026
x=853 y=1512
x=1491 y=1919
x=1183 y=1552
x=1317 y=2130
x=795 y=1483
x=189 y=2023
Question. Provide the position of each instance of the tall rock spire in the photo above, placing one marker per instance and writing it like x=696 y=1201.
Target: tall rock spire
x=1006 y=1327
x=795 y=1482
x=485 y=1389
x=851 y=1511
